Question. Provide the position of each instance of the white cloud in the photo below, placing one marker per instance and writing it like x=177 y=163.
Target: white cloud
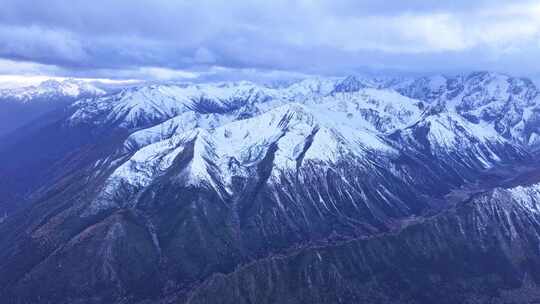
x=505 y=26
x=21 y=73
x=184 y=40
x=47 y=44
x=166 y=74
x=14 y=81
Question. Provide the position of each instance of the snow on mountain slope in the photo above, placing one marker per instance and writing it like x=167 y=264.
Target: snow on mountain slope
x=227 y=129
x=20 y=106
x=376 y=110
x=50 y=89
x=176 y=125
x=349 y=84
x=143 y=106
x=451 y=138
x=311 y=88
x=511 y=105
x=140 y=169
x=450 y=129
x=295 y=133
x=384 y=110
x=290 y=127
x=528 y=197
x=146 y=105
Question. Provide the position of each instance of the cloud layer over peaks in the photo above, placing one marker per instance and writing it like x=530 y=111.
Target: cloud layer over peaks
x=188 y=39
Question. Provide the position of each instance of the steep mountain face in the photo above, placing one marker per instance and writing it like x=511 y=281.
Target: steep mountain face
x=20 y=106
x=482 y=251
x=327 y=190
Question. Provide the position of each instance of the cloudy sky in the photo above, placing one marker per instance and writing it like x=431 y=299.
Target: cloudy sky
x=194 y=40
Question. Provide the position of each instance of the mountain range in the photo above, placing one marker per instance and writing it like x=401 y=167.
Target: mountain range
x=21 y=105
x=327 y=190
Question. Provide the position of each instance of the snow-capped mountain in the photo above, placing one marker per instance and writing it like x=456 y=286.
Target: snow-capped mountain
x=69 y=88
x=440 y=105
x=143 y=106
x=510 y=105
x=22 y=105
x=185 y=193
x=231 y=127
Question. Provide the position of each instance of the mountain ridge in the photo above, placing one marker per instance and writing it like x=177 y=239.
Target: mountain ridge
x=51 y=88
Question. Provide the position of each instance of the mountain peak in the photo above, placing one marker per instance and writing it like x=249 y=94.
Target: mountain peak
x=349 y=84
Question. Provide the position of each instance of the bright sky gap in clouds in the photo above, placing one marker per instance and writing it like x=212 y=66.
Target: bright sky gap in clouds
x=199 y=40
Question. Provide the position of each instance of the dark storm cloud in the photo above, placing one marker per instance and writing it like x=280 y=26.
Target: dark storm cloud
x=121 y=37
